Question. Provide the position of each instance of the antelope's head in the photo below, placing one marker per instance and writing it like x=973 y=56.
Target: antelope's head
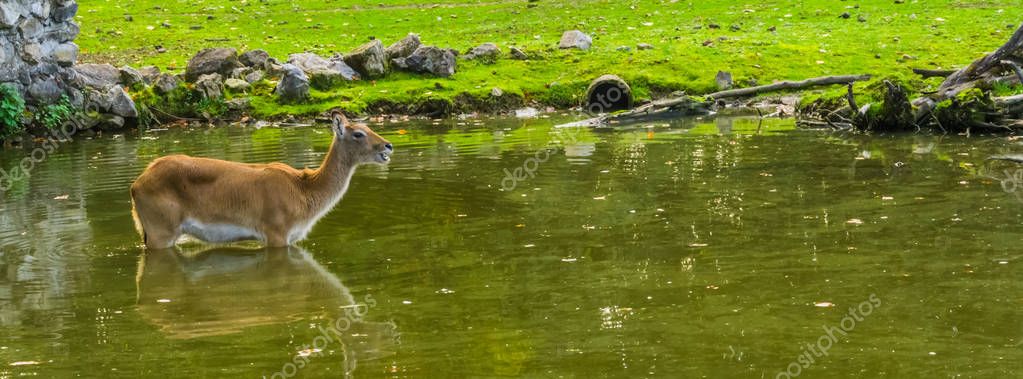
x=359 y=141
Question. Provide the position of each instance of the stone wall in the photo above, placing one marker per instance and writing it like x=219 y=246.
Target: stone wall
x=37 y=50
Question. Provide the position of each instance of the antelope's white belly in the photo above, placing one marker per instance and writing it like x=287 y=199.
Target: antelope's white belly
x=219 y=233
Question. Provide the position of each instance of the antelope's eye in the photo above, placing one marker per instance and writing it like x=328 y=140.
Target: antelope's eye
x=359 y=135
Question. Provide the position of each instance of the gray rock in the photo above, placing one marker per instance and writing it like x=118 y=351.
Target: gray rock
x=308 y=62
x=369 y=59
x=723 y=80
x=65 y=12
x=338 y=64
x=517 y=53
x=323 y=73
x=149 y=73
x=240 y=72
x=496 y=92
x=32 y=53
x=165 y=83
x=65 y=54
x=45 y=91
x=574 y=39
x=98 y=76
x=110 y=122
x=486 y=51
x=294 y=84
x=210 y=85
x=624 y=49
x=212 y=61
x=429 y=59
x=116 y=101
x=254 y=76
x=403 y=48
x=131 y=77
x=31 y=28
x=41 y=9
x=10 y=13
x=255 y=58
x=644 y=46
x=236 y=85
x=240 y=104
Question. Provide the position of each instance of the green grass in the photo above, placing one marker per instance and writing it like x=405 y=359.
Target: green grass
x=810 y=40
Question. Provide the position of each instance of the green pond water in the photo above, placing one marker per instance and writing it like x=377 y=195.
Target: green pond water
x=717 y=248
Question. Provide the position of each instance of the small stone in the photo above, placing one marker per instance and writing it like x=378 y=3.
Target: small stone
x=735 y=27
x=518 y=54
x=294 y=84
x=486 y=51
x=644 y=46
x=255 y=58
x=370 y=60
x=210 y=85
x=713 y=26
x=240 y=104
x=624 y=49
x=845 y=15
x=254 y=76
x=130 y=76
x=236 y=85
x=209 y=61
x=165 y=83
x=403 y=48
x=772 y=29
x=496 y=92
x=149 y=73
x=65 y=54
x=861 y=18
x=429 y=59
x=128 y=18
x=574 y=39
x=98 y=76
x=723 y=79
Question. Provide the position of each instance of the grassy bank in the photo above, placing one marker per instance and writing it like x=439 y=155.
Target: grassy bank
x=757 y=41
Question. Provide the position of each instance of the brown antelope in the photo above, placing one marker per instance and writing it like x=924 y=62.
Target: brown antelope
x=218 y=201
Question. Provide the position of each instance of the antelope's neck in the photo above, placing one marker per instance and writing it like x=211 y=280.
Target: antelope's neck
x=330 y=181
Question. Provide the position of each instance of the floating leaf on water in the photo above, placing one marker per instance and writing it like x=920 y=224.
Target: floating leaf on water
x=163 y=301
x=854 y=221
x=823 y=304
x=61 y=197
x=697 y=245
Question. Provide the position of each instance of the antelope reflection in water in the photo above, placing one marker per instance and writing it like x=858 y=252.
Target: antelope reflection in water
x=226 y=290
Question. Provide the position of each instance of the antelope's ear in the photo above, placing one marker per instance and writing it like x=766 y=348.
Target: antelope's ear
x=338 y=122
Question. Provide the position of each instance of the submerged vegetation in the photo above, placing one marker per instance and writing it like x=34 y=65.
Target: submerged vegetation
x=688 y=42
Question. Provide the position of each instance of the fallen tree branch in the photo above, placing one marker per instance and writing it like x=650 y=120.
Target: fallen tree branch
x=787 y=85
x=1015 y=68
x=926 y=73
x=983 y=69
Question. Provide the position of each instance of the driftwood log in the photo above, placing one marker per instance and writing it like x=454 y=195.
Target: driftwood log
x=926 y=73
x=682 y=106
x=782 y=86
